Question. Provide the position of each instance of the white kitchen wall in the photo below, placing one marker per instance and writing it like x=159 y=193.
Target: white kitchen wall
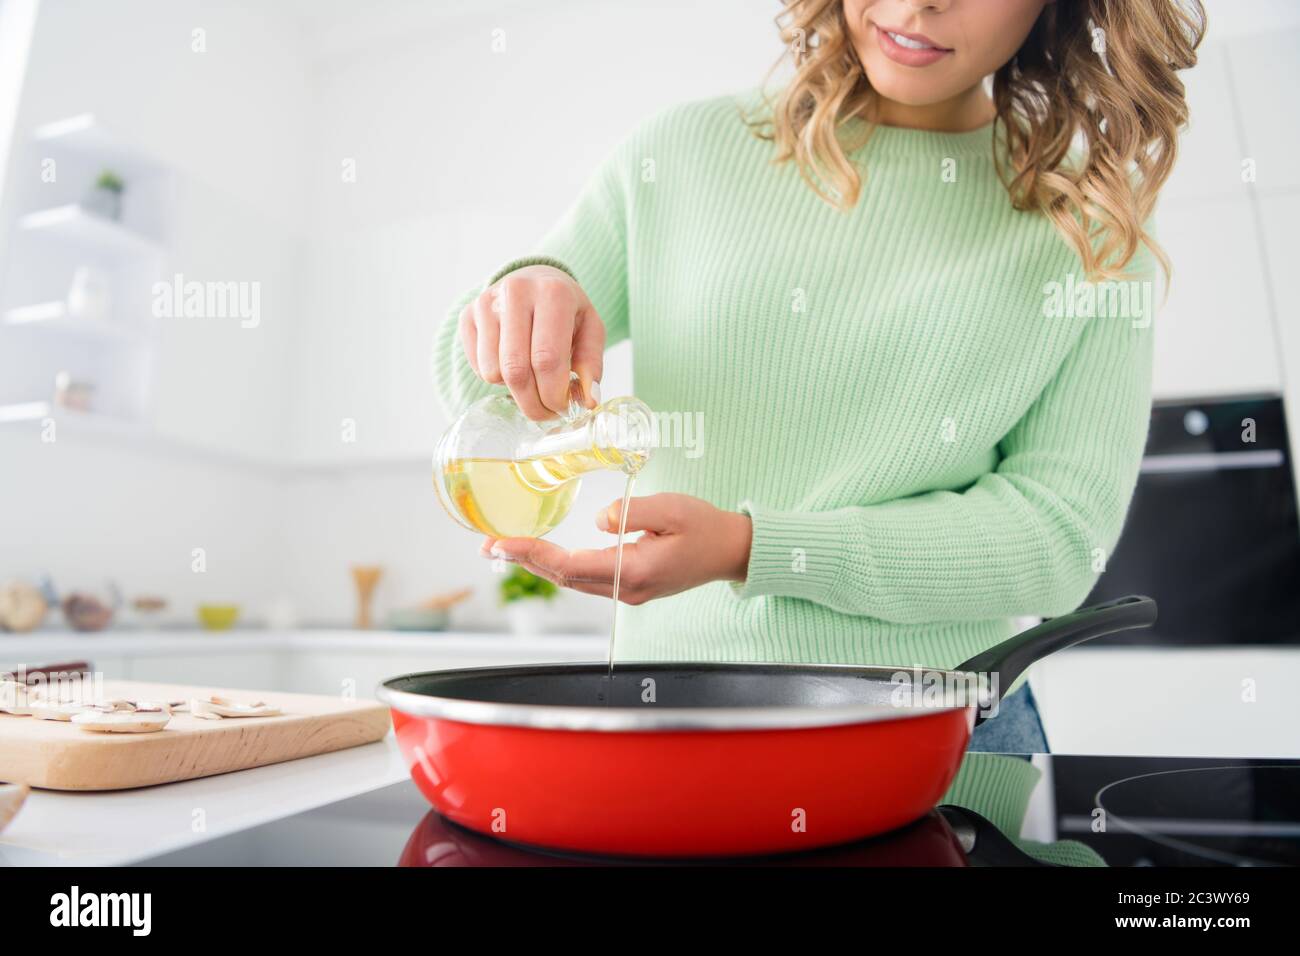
x=17 y=23
x=463 y=154
x=228 y=123
x=90 y=512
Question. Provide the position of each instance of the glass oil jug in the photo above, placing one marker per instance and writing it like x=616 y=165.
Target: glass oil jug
x=501 y=474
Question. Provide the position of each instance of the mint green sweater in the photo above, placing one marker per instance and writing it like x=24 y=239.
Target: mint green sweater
x=923 y=451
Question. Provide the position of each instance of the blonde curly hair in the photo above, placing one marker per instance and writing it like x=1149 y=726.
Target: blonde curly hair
x=1126 y=106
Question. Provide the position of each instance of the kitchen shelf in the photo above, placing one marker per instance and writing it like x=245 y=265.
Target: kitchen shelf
x=54 y=317
x=84 y=136
x=140 y=436
x=126 y=433
x=87 y=423
x=75 y=226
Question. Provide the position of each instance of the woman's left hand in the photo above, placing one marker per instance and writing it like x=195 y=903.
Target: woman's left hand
x=687 y=542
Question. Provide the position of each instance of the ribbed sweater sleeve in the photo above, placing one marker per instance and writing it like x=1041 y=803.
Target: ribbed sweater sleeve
x=589 y=242
x=1029 y=537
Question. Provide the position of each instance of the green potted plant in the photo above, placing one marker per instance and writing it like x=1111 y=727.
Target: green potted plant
x=524 y=595
x=106 y=198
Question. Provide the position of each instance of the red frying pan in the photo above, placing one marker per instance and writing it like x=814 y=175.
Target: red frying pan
x=673 y=760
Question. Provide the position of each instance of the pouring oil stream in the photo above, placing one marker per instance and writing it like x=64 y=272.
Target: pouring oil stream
x=618 y=574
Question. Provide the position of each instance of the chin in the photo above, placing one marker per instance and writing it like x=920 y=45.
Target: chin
x=906 y=90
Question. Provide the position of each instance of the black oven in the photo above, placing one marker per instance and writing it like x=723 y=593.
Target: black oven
x=1212 y=533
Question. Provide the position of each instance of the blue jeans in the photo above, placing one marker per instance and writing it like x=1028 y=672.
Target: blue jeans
x=1016 y=729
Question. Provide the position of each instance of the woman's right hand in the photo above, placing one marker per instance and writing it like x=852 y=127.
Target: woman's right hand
x=528 y=331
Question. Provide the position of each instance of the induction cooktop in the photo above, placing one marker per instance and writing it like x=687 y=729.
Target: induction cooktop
x=1002 y=810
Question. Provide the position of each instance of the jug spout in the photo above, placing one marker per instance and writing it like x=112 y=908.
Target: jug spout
x=617 y=436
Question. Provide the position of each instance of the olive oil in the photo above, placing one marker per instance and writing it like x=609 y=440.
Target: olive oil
x=547 y=469
x=618 y=575
x=492 y=495
x=527 y=497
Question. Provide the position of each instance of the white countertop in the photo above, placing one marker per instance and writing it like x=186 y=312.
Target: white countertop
x=125 y=826
x=1199 y=709
x=65 y=646
x=128 y=826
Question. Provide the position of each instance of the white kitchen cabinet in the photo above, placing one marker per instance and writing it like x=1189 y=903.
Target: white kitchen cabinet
x=113 y=667
x=251 y=671
x=1209 y=150
x=1195 y=702
x=1280 y=221
x=1214 y=334
x=1265 y=68
x=311 y=662
x=359 y=672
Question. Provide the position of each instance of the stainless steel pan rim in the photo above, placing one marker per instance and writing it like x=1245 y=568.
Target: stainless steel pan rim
x=624 y=719
x=1001 y=665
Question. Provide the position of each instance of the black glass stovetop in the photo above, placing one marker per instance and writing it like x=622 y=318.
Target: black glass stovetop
x=1057 y=810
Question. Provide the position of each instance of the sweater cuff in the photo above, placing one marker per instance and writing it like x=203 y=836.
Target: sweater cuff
x=799 y=555
x=514 y=264
x=997 y=787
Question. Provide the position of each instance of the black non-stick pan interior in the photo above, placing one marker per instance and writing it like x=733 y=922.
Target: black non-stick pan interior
x=717 y=686
x=667 y=685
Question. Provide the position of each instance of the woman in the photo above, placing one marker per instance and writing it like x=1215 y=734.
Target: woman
x=919 y=419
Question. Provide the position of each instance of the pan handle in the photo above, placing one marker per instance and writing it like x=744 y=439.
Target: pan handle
x=976 y=834
x=1013 y=656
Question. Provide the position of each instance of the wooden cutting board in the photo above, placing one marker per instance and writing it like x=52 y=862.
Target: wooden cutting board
x=57 y=755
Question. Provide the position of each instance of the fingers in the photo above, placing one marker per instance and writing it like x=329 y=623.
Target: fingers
x=528 y=332
x=554 y=563
x=516 y=355
x=552 y=342
x=587 y=571
x=660 y=514
x=469 y=338
x=598 y=588
x=589 y=353
x=487 y=329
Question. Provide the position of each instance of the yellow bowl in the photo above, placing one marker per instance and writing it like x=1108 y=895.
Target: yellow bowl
x=218 y=617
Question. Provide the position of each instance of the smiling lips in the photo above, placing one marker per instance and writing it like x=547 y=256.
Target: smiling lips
x=909 y=49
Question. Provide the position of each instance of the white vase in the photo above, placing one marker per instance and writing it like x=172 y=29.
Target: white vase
x=90 y=295
x=526 y=617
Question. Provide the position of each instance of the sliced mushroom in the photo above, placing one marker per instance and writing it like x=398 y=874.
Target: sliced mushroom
x=224 y=707
x=150 y=706
x=15 y=698
x=58 y=709
x=122 y=722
